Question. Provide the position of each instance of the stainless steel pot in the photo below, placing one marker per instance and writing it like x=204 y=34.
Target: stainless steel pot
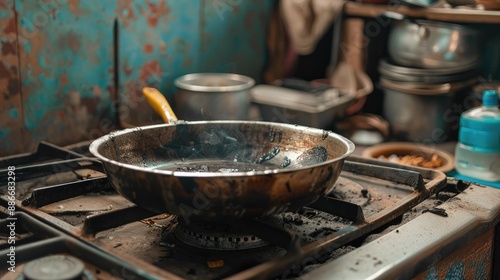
x=213 y=96
x=429 y=44
x=423 y=113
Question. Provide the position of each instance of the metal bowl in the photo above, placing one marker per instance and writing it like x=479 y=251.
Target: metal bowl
x=386 y=150
x=213 y=96
x=429 y=44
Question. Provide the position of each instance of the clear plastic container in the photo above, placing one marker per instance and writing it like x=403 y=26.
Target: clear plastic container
x=477 y=154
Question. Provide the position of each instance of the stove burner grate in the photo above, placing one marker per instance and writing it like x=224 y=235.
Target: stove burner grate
x=215 y=236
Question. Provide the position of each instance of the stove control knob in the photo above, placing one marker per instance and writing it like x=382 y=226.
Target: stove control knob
x=55 y=267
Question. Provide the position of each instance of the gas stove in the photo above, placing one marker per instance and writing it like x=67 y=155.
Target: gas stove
x=380 y=221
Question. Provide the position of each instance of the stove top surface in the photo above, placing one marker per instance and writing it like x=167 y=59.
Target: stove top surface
x=67 y=194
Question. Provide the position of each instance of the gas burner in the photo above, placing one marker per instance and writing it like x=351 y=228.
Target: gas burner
x=55 y=267
x=215 y=236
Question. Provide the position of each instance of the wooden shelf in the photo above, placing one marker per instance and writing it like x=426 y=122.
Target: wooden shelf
x=435 y=13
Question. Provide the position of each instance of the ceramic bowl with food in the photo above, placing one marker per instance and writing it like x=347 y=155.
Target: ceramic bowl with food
x=412 y=154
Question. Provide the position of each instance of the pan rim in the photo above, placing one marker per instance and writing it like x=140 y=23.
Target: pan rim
x=93 y=148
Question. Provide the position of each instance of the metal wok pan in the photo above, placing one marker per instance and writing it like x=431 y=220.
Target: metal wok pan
x=217 y=170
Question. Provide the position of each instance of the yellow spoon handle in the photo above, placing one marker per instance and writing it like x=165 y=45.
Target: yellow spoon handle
x=159 y=104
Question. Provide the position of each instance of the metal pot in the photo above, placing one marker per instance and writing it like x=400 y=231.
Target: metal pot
x=429 y=44
x=420 y=112
x=213 y=96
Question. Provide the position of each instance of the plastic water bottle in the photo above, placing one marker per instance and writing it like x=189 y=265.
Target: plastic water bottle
x=477 y=154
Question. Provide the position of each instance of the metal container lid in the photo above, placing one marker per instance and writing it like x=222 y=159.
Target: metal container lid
x=214 y=82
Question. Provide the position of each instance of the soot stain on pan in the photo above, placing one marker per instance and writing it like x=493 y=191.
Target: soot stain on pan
x=313 y=156
x=309 y=157
x=268 y=156
x=286 y=162
x=272 y=134
x=212 y=149
x=144 y=147
x=189 y=184
x=225 y=149
x=329 y=176
x=115 y=146
x=324 y=135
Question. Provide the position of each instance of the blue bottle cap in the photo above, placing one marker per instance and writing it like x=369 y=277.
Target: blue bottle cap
x=490 y=98
x=481 y=131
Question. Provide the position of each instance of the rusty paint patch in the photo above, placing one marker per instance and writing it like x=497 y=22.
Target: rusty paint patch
x=4 y=71
x=12 y=88
x=125 y=12
x=9 y=48
x=66 y=47
x=127 y=69
x=70 y=41
x=163 y=48
x=74 y=7
x=150 y=70
x=10 y=28
x=11 y=118
x=90 y=103
x=148 y=48
x=156 y=11
x=97 y=91
x=63 y=80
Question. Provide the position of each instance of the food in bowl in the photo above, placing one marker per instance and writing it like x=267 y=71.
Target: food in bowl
x=412 y=154
x=434 y=162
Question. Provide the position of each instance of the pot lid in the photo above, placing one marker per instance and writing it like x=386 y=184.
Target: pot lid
x=426 y=89
x=389 y=66
x=419 y=75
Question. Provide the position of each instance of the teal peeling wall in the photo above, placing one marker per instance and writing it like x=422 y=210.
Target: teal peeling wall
x=63 y=60
x=66 y=66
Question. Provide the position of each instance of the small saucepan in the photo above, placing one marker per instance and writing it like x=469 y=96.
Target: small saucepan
x=199 y=96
